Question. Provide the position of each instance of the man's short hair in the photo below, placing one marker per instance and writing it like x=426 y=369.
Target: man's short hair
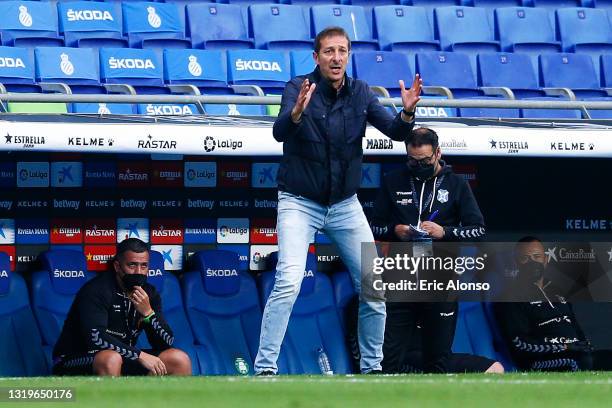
x=330 y=32
x=423 y=136
x=131 y=244
x=525 y=240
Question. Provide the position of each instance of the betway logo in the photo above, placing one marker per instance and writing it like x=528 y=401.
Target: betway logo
x=221 y=272
x=6 y=205
x=254 y=65
x=88 y=15
x=200 y=204
x=133 y=203
x=130 y=63
x=74 y=204
x=8 y=62
x=68 y=274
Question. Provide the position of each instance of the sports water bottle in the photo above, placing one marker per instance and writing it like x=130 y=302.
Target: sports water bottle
x=324 y=365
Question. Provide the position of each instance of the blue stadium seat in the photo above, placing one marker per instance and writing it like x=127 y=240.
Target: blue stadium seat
x=103 y=108
x=217 y=26
x=383 y=68
x=403 y=28
x=53 y=290
x=280 y=26
x=606 y=70
x=573 y=71
x=501 y=348
x=153 y=25
x=352 y=18
x=514 y=71
x=473 y=334
x=168 y=287
x=141 y=69
x=21 y=353
x=344 y=294
x=91 y=24
x=496 y=3
x=205 y=69
x=526 y=29
x=224 y=312
x=465 y=29
x=17 y=72
x=76 y=67
x=585 y=30
x=554 y=4
x=449 y=69
x=269 y=70
x=29 y=24
x=314 y=324
x=234 y=110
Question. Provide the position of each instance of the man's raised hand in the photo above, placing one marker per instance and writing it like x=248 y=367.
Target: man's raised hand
x=306 y=91
x=410 y=97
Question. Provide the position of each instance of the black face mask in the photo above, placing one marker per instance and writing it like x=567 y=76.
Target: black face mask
x=132 y=280
x=423 y=172
x=532 y=270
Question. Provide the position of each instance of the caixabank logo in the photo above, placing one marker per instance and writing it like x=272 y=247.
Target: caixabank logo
x=233 y=231
x=32 y=231
x=233 y=175
x=66 y=231
x=166 y=231
x=264 y=175
x=100 y=231
x=200 y=174
x=7 y=231
x=172 y=256
x=370 y=175
x=133 y=174
x=66 y=174
x=133 y=228
x=99 y=256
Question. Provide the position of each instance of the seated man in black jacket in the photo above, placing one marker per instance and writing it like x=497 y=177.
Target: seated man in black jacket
x=426 y=193
x=543 y=333
x=107 y=316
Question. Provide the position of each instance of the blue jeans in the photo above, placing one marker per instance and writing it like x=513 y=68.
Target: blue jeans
x=346 y=225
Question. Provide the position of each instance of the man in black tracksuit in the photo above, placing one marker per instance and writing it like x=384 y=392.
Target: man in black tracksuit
x=426 y=193
x=543 y=334
x=107 y=316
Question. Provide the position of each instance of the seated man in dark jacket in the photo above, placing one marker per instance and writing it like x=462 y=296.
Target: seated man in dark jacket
x=543 y=334
x=108 y=314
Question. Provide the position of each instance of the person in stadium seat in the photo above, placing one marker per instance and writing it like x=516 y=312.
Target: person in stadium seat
x=543 y=334
x=321 y=124
x=426 y=192
x=107 y=316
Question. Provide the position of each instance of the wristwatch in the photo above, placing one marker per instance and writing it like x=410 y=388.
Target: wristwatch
x=411 y=113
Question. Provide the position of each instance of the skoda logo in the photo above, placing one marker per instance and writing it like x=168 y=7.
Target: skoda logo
x=209 y=144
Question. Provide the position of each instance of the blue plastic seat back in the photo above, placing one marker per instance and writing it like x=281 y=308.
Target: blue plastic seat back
x=202 y=68
x=501 y=348
x=314 y=324
x=553 y=4
x=512 y=70
x=167 y=285
x=235 y=110
x=54 y=288
x=29 y=23
x=153 y=25
x=383 y=68
x=344 y=293
x=403 y=28
x=21 y=352
x=574 y=71
x=473 y=334
x=452 y=70
x=17 y=66
x=90 y=24
x=131 y=66
x=526 y=29
x=584 y=28
x=266 y=68
x=103 y=108
x=280 y=26
x=224 y=312
x=606 y=70
x=72 y=66
x=352 y=18
x=465 y=29
x=219 y=26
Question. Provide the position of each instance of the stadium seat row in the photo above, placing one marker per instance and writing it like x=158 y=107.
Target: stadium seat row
x=445 y=74
x=215 y=313
x=281 y=26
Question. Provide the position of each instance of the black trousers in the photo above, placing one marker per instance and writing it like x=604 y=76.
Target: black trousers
x=434 y=339
x=597 y=360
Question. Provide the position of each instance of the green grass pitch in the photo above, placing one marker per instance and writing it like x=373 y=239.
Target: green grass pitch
x=466 y=390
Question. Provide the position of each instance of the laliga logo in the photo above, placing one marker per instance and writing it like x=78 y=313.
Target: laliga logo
x=68 y=274
x=155 y=272
x=154 y=19
x=194 y=68
x=209 y=144
x=66 y=66
x=24 y=17
x=242 y=65
x=221 y=272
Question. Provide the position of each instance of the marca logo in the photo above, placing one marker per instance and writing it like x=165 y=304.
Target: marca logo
x=7 y=231
x=8 y=62
x=58 y=273
x=166 y=232
x=200 y=174
x=233 y=230
x=151 y=143
x=32 y=174
x=130 y=63
x=221 y=272
x=168 y=110
x=27 y=142
x=512 y=146
x=133 y=228
x=172 y=255
x=100 y=231
x=88 y=15
x=379 y=144
x=264 y=175
x=255 y=65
